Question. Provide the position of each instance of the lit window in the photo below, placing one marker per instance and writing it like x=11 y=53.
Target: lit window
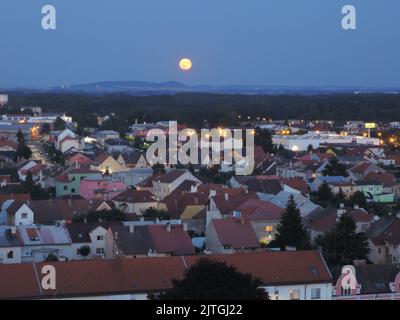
x=269 y=228
x=294 y=294
x=316 y=293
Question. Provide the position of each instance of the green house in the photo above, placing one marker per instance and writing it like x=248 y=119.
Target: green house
x=68 y=183
x=373 y=191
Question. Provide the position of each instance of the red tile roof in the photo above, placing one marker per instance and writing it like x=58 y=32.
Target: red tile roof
x=236 y=233
x=21 y=197
x=388 y=179
x=7 y=143
x=34 y=170
x=256 y=209
x=77 y=279
x=134 y=196
x=101 y=158
x=327 y=222
x=385 y=230
x=297 y=184
x=228 y=204
x=176 y=241
x=361 y=168
x=171 y=176
x=63 y=178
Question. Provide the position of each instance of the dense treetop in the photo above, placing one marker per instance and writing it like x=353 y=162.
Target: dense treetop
x=217 y=109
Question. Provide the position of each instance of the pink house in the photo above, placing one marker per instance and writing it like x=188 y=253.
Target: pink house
x=101 y=187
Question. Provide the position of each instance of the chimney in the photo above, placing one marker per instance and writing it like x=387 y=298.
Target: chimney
x=340 y=212
x=185 y=226
x=193 y=189
x=131 y=228
x=168 y=227
x=226 y=196
x=213 y=193
x=85 y=220
x=13 y=230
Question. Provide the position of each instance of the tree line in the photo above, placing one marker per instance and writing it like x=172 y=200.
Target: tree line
x=200 y=110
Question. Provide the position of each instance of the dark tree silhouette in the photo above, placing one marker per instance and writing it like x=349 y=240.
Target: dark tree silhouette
x=214 y=280
x=334 y=168
x=342 y=245
x=290 y=230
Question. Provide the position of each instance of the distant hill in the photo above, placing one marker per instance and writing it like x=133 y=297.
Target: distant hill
x=142 y=88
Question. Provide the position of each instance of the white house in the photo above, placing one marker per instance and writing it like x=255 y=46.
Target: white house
x=168 y=182
x=38 y=242
x=16 y=213
x=135 y=201
x=91 y=235
x=384 y=240
x=65 y=133
x=69 y=143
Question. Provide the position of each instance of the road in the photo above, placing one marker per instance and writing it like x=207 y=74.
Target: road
x=37 y=152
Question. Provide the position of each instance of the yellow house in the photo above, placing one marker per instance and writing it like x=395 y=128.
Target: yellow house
x=105 y=162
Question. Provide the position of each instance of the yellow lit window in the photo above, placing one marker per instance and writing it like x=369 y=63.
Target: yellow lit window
x=269 y=228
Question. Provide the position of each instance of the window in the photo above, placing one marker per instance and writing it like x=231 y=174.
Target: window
x=73 y=179
x=100 y=238
x=99 y=250
x=294 y=294
x=269 y=228
x=316 y=293
x=364 y=227
x=379 y=250
x=73 y=190
x=24 y=216
x=28 y=253
x=227 y=247
x=65 y=188
x=10 y=254
x=276 y=295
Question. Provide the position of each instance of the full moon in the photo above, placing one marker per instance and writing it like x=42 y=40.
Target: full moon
x=185 y=64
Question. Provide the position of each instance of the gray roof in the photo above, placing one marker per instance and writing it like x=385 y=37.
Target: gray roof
x=133 y=243
x=7 y=239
